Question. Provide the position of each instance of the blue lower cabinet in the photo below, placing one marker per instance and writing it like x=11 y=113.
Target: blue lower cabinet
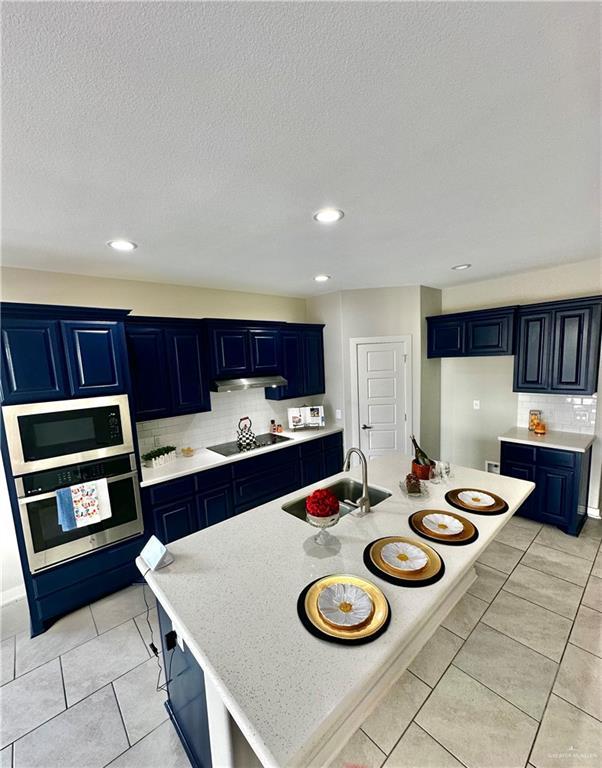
x=561 y=483
x=175 y=520
x=186 y=698
x=214 y=506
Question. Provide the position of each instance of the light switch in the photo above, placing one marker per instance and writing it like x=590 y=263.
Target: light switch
x=476 y=404
x=338 y=414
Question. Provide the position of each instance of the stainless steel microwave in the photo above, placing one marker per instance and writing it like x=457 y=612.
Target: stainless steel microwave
x=48 y=435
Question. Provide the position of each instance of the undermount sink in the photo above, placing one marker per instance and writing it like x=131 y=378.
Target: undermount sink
x=345 y=490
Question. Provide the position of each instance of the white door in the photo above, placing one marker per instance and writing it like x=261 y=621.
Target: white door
x=383 y=395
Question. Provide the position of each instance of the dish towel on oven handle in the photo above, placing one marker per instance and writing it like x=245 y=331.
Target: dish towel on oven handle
x=83 y=504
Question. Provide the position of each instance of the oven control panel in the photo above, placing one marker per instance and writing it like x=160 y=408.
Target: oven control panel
x=62 y=477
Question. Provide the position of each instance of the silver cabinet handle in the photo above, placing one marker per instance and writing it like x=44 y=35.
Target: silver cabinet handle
x=365 y=426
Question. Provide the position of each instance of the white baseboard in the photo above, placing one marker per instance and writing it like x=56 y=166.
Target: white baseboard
x=593 y=512
x=10 y=595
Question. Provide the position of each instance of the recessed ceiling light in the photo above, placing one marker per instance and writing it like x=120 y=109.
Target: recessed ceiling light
x=328 y=215
x=462 y=266
x=122 y=245
x=321 y=278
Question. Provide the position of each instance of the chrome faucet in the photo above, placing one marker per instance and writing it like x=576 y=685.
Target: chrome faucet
x=363 y=503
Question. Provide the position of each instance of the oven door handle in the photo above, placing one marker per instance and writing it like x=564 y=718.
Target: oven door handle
x=24 y=500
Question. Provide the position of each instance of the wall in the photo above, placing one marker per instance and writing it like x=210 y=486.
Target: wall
x=219 y=425
x=467 y=436
x=145 y=298
x=11 y=578
x=380 y=312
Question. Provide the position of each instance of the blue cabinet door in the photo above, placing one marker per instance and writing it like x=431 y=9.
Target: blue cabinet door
x=445 y=338
x=230 y=352
x=32 y=361
x=313 y=362
x=94 y=357
x=214 y=506
x=292 y=367
x=189 y=382
x=175 y=520
x=530 y=507
x=149 y=372
x=265 y=351
x=574 y=366
x=489 y=333
x=532 y=361
x=555 y=489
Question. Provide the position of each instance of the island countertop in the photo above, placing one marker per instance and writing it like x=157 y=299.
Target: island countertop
x=232 y=593
x=562 y=441
x=204 y=459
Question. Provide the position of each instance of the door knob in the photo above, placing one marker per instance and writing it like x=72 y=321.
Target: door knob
x=365 y=426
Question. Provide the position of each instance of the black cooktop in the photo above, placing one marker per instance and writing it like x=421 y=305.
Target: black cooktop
x=261 y=441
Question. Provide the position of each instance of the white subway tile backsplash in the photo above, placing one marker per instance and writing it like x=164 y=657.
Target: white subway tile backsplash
x=560 y=412
x=218 y=425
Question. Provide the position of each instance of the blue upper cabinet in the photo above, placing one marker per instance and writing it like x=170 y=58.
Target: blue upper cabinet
x=168 y=367
x=32 y=361
x=472 y=334
x=265 y=351
x=94 y=357
x=189 y=384
x=559 y=347
x=241 y=348
x=302 y=362
x=231 y=352
x=148 y=369
x=56 y=352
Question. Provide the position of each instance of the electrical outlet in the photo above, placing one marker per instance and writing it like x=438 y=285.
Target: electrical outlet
x=476 y=404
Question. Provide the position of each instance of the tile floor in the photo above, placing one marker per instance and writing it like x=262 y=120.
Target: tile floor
x=518 y=663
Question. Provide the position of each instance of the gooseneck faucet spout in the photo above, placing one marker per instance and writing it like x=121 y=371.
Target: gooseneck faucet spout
x=362 y=503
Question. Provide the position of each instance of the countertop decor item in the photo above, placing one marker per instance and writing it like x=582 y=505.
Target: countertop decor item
x=188 y=452
x=472 y=500
x=245 y=437
x=322 y=511
x=159 y=456
x=422 y=466
x=466 y=535
x=377 y=562
x=540 y=428
x=345 y=605
x=308 y=608
x=534 y=417
x=419 y=489
x=444 y=525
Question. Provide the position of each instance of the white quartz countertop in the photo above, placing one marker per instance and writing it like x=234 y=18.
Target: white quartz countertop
x=563 y=441
x=205 y=459
x=232 y=591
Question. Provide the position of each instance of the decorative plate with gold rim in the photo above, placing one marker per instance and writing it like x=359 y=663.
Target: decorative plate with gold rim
x=377 y=564
x=445 y=525
x=402 y=556
x=311 y=603
x=345 y=605
x=476 y=500
x=419 y=523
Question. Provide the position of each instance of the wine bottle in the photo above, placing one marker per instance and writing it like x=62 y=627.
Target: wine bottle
x=420 y=456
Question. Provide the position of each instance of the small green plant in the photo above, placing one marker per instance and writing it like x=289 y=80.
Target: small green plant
x=154 y=454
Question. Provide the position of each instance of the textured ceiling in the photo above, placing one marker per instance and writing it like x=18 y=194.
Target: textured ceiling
x=210 y=132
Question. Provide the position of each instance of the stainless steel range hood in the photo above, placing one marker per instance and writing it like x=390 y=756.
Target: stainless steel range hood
x=232 y=385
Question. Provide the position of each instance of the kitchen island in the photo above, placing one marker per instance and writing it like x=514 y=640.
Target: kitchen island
x=248 y=666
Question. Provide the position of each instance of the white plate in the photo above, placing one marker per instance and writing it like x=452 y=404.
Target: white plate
x=476 y=499
x=345 y=605
x=446 y=525
x=403 y=556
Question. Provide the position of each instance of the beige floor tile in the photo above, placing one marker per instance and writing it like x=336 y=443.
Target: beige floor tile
x=30 y=700
x=592 y=528
x=416 y=749
x=557 y=563
x=592 y=597
x=597 y=568
x=498 y=735
x=396 y=710
x=580 y=546
x=488 y=583
x=587 y=630
x=515 y=535
x=554 y=594
x=117 y=608
x=530 y=624
x=101 y=660
x=67 y=633
x=6 y=757
x=435 y=657
x=7 y=660
x=89 y=734
x=144 y=629
x=526 y=522
x=579 y=680
x=141 y=705
x=359 y=751
x=501 y=557
x=465 y=615
x=568 y=738
x=160 y=749
x=522 y=676
x=14 y=617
